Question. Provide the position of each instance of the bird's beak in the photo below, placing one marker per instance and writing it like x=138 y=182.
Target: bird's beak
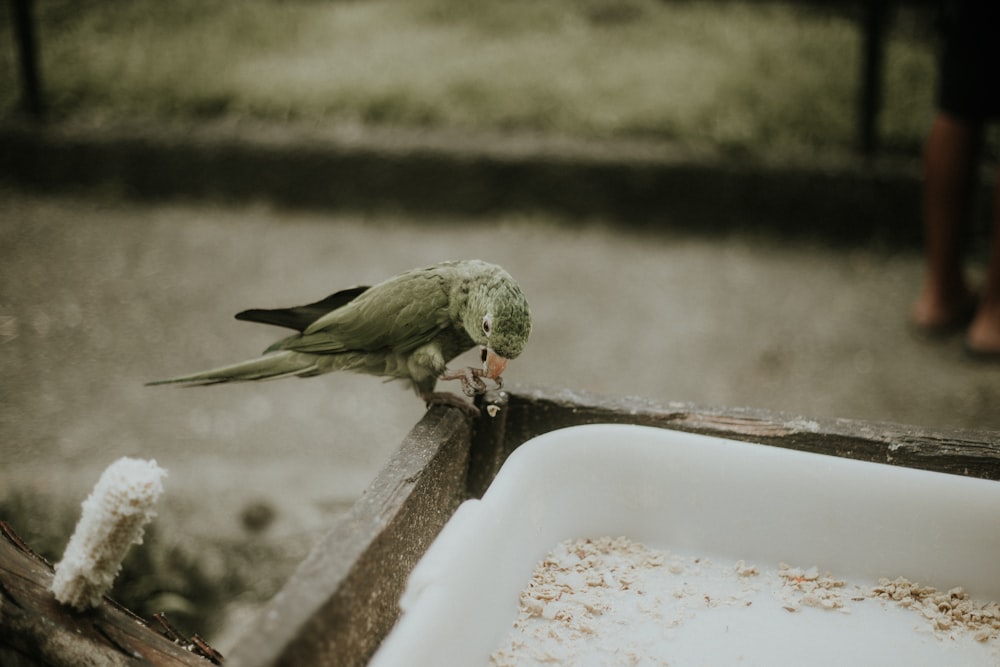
x=493 y=364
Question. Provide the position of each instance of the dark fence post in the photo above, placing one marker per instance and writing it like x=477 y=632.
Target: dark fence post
x=875 y=12
x=24 y=28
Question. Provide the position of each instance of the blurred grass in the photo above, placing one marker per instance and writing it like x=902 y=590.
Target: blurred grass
x=741 y=76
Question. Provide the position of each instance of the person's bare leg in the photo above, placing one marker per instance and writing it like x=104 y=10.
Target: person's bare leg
x=984 y=332
x=950 y=159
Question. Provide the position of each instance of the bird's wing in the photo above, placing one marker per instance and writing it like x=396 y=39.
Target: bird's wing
x=399 y=314
x=300 y=317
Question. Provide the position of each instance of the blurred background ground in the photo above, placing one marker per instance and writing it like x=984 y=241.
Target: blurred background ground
x=100 y=294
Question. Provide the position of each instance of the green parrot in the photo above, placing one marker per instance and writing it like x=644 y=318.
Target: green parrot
x=407 y=327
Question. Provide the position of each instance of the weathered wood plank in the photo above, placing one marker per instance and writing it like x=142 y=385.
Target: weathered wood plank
x=532 y=411
x=343 y=599
x=36 y=630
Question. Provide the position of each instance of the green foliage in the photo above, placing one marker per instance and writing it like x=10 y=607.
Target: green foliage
x=748 y=76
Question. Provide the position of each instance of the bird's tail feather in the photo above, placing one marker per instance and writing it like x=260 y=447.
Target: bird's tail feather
x=269 y=367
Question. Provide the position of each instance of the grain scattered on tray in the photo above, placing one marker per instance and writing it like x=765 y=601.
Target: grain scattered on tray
x=810 y=588
x=946 y=612
x=614 y=601
x=590 y=591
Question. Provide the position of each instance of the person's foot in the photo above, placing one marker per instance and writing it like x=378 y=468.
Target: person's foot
x=938 y=313
x=983 y=339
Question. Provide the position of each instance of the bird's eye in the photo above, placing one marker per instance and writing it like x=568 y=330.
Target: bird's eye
x=487 y=324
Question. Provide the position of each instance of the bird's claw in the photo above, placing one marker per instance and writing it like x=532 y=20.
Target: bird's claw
x=472 y=382
x=471 y=379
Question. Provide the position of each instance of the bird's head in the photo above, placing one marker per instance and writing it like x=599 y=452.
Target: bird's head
x=499 y=321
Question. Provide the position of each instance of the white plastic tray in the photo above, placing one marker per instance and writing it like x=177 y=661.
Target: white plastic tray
x=720 y=498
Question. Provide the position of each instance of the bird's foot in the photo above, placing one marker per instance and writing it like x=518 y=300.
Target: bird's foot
x=471 y=379
x=450 y=400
